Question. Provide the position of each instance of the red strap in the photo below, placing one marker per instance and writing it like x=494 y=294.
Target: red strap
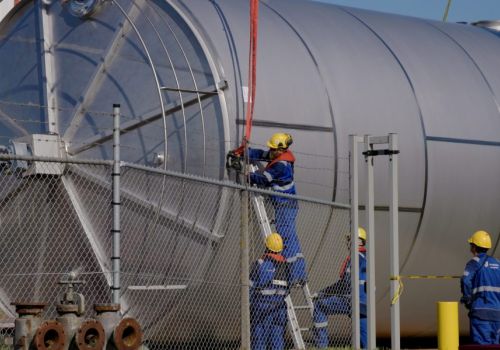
x=286 y=156
x=361 y=249
x=275 y=256
x=252 y=69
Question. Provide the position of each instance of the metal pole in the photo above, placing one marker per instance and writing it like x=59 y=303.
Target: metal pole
x=447 y=9
x=370 y=247
x=394 y=240
x=245 y=269
x=115 y=231
x=354 y=140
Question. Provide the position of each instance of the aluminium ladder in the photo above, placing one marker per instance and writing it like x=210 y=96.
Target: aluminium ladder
x=260 y=210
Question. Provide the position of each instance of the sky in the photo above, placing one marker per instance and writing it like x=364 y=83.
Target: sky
x=460 y=10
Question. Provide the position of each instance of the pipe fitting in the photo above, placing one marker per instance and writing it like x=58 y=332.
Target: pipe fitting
x=50 y=336
x=90 y=336
x=69 y=320
x=108 y=315
x=127 y=334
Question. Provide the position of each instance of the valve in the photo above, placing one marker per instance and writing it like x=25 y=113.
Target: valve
x=72 y=301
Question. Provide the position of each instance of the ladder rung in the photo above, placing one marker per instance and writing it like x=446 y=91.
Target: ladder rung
x=305 y=329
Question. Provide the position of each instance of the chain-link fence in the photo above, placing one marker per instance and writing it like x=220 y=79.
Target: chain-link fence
x=181 y=252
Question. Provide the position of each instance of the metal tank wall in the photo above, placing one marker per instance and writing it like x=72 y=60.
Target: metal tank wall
x=324 y=72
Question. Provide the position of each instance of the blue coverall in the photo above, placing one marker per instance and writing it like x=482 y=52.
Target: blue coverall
x=268 y=290
x=278 y=175
x=336 y=300
x=480 y=286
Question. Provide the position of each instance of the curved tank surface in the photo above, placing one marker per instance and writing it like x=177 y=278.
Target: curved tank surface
x=179 y=71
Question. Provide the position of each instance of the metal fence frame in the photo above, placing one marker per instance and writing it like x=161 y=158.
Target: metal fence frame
x=201 y=180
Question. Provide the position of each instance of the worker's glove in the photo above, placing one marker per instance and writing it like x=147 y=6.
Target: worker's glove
x=466 y=301
x=233 y=161
x=240 y=151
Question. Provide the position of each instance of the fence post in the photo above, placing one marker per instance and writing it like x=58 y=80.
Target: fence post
x=394 y=240
x=245 y=272
x=370 y=248
x=354 y=188
x=115 y=231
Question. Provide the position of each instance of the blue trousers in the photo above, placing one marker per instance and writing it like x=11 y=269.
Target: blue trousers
x=285 y=213
x=333 y=305
x=268 y=324
x=484 y=332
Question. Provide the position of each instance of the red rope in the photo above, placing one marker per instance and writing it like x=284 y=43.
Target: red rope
x=252 y=69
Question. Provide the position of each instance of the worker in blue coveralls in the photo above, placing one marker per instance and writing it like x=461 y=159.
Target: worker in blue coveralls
x=279 y=176
x=336 y=298
x=480 y=286
x=268 y=290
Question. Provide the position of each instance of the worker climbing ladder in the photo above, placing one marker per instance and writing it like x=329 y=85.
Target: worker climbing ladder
x=258 y=200
x=296 y=331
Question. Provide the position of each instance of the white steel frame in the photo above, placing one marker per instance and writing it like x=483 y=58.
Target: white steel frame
x=391 y=141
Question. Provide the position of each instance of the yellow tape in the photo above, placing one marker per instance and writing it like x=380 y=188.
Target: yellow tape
x=399 y=291
x=400 y=278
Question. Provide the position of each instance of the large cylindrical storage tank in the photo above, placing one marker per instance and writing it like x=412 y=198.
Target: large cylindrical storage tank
x=323 y=72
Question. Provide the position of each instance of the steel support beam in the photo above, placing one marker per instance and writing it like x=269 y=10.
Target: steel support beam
x=97 y=78
x=49 y=68
x=92 y=237
x=133 y=124
x=86 y=223
x=165 y=214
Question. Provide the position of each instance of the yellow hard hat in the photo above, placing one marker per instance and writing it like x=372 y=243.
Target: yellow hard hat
x=481 y=239
x=274 y=242
x=280 y=140
x=362 y=233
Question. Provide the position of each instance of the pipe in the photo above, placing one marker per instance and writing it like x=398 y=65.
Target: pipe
x=28 y=320
x=108 y=316
x=69 y=320
x=447 y=325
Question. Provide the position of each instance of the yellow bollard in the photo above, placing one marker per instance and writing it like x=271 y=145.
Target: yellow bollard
x=447 y=325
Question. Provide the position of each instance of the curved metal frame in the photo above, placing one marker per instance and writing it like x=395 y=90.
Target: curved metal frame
x=195 y=86
x=209 y=51
x=155 y=75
